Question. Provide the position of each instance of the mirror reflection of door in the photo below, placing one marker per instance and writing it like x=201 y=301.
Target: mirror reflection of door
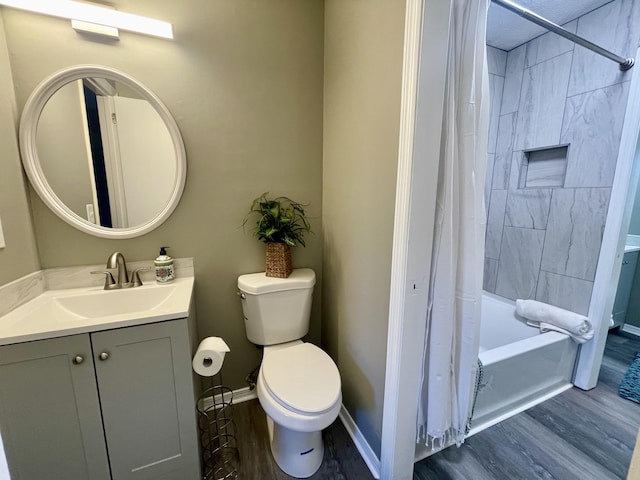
x=106 y=153
x=101 y=214
x=139 y=159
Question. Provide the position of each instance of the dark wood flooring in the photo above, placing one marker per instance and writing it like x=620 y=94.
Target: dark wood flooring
x=341 y=459
x=576 y=435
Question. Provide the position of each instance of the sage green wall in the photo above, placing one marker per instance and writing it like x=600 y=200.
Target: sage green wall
x=20 y=256
x=362 y=84
x=244 y=80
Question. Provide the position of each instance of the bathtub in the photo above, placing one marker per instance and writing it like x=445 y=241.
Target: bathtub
x=522 y=367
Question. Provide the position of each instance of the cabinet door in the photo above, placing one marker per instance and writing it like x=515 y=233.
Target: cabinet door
x=49 y=411
x=146 y=392
x=625 y=283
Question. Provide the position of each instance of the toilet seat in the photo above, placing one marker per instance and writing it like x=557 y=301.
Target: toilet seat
x=302 y=378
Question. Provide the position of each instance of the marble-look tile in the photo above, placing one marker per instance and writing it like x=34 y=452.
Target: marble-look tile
x=614 y=26
x=77 y=277
x=574 y=231
x=593 y=126
x=495 y=223
x=504 y=149
x=487 y=181
x=501 y=171
x=528 y=208
x=496 y=60
x=565 y=292
x=490 y=275
x=519 y=263
x=548 y=46
x=496 y=84
x=544 y=90
x=506 y=133
x=546 y=168
x=513 y=80
x=20 y=291
x=518 y=162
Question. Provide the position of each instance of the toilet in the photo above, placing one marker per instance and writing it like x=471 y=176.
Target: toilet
x=298 y=383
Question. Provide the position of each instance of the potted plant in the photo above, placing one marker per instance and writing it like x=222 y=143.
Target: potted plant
x=281 y=224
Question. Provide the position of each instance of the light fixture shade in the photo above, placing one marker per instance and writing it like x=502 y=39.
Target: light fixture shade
x=94 y=14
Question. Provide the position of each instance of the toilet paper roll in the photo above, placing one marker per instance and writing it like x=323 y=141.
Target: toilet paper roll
x=209 y=357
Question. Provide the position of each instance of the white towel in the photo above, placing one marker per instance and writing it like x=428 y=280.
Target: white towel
x=548 y=317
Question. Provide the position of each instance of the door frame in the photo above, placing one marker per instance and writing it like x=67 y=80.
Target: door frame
x=623 y=192
x=426 y=44
x=424 y=64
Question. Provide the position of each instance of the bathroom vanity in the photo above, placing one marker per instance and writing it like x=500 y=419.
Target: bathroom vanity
x=104 y=396
x=97 y=383
x=623 y=304
x=625 y=286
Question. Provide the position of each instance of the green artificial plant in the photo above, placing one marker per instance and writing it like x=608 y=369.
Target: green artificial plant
x=280 y=220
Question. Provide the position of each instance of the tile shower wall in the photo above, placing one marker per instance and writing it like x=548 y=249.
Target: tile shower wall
x=544 y=243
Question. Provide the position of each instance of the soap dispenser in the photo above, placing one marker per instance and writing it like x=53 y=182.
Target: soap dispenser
x=164 y=267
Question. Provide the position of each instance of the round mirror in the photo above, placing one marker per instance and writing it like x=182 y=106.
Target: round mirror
x=102 y=151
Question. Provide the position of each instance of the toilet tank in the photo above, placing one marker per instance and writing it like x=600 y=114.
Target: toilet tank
x=276 y=310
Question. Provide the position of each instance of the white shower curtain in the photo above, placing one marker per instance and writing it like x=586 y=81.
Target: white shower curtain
x=453 y=317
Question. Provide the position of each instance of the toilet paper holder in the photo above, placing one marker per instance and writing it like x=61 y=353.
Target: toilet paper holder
x=217 y=431
x=209 y=356
x=216 y=428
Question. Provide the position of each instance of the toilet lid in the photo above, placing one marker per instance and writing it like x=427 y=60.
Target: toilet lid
x=302 y=377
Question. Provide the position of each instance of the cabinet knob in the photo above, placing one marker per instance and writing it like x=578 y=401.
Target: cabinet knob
x=77 y=360
x=104 y=356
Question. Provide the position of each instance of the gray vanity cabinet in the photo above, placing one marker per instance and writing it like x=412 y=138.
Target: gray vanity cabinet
x=625 y=284
x=146 y=392
x=50 y=418
x=60 y=399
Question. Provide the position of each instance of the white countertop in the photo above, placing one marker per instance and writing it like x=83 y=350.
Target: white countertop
x=632 y=244
x=44 y=317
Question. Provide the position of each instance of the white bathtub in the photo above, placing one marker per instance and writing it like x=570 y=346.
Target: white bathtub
x=522 y=367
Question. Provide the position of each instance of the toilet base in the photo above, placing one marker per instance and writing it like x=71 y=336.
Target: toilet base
x=298 y=454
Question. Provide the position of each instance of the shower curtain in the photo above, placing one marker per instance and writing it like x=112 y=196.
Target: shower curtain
x=455 y=289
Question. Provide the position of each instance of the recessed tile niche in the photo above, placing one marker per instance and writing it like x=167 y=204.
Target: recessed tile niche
x=544 y=168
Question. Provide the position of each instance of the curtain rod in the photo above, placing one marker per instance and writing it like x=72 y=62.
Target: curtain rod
x=625 y=63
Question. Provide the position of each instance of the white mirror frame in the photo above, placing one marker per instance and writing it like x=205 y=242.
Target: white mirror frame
x=28 y=127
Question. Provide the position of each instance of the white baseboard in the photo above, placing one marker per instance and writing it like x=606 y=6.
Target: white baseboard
x=366 y=452
x=240 y=395
x=632 y=329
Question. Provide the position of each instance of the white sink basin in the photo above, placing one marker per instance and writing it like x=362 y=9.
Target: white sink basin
x=80 y=310
x=116 y=302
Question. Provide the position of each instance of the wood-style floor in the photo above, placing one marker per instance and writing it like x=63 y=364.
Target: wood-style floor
x=576 y=435
x=341 y=459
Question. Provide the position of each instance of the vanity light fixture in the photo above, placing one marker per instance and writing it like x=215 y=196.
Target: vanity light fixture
x=90 y=13
x=95 y=28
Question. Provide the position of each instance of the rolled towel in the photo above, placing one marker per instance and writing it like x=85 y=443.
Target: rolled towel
x=547 y=317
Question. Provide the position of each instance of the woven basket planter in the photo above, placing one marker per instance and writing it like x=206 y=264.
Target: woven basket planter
x=278 y=260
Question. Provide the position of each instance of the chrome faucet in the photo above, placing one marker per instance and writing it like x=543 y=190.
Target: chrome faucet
x=116 y=261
